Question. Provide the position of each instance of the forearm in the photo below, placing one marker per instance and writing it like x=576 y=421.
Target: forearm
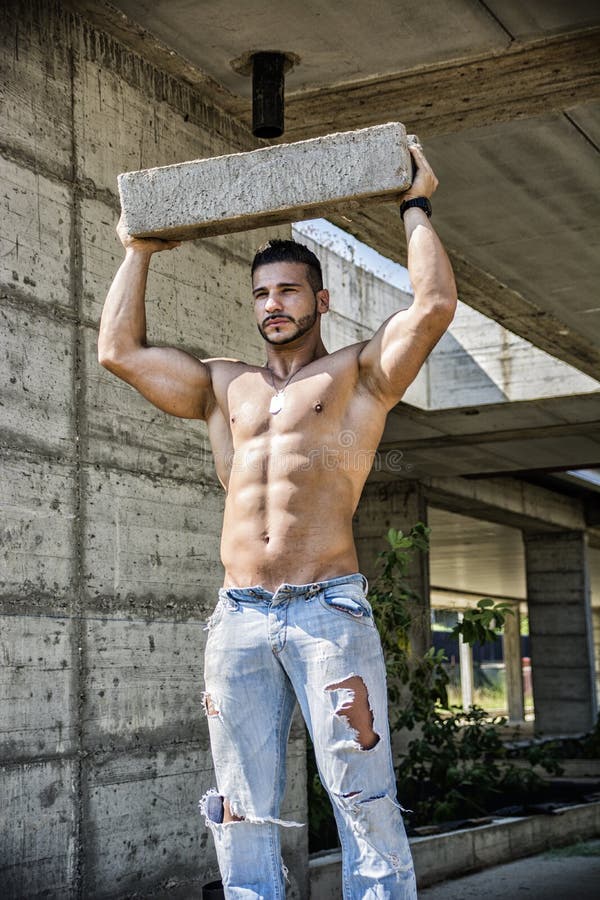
x=428 y=264
x=123 y=322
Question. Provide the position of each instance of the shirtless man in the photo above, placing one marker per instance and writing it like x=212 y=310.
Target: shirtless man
x=293 y=622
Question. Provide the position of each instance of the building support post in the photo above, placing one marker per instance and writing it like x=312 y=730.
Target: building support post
x=560 y=620
x=513 y=667
x=467 y=683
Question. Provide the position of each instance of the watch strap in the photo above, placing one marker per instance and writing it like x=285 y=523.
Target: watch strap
x=421 y=202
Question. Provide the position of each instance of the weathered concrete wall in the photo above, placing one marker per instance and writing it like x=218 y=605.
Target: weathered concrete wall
x=111 y=510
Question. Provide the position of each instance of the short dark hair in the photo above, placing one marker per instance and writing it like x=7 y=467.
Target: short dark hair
x=278 y=250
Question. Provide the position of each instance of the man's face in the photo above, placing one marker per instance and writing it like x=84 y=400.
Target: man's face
x=285 y=305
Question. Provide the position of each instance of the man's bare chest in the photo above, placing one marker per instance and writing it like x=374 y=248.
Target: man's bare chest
x=310 y=405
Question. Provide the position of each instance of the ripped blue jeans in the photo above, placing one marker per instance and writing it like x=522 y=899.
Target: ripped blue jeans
x=318 y=644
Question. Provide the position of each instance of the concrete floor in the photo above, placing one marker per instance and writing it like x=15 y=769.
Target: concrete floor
x=571 y=873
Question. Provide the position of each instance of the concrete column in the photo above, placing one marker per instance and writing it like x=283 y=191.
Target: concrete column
x=401 y=505
x=467 y=683
x=512 y=666
x=560 y=623
x=596 y=632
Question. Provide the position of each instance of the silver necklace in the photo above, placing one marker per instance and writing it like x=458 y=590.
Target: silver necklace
x=278 y=400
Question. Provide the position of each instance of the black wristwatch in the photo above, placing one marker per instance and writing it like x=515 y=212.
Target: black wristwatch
x=422 y=203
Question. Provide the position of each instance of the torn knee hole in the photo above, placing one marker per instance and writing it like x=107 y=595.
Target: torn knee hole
x=217 y=809
x=228 y=815
x=356 y=710
x=209 y=706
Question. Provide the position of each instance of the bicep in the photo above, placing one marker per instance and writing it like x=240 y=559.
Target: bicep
x=391 y=360
x=173 y=380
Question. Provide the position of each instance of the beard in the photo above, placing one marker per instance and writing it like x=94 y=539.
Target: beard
x=303 y=325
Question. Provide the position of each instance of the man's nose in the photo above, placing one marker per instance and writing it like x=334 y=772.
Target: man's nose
x=273 y=302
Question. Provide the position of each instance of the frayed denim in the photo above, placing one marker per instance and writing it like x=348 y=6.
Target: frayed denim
x=317 y=644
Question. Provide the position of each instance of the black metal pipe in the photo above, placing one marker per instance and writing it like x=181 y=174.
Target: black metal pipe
x=213 y=891
x=268 y=83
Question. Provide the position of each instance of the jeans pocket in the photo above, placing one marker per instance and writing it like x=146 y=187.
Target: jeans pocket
x=349 y=602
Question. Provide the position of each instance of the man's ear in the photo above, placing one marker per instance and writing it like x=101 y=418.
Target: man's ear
x=322 y=301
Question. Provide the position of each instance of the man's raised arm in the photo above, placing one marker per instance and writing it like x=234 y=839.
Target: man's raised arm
x=173 y=380
x=390 y=361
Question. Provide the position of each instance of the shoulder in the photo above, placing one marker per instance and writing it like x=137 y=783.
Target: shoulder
x=223 y=371
x=222 y=367
x=345 y=358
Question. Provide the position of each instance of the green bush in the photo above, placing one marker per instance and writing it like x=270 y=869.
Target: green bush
x=455 y=765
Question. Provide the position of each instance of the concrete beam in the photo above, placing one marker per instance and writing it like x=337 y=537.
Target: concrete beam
x=528 y=79
x=269 y=186
x=507 y=501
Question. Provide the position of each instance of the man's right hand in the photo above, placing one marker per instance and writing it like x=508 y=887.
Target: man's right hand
x=143 y=245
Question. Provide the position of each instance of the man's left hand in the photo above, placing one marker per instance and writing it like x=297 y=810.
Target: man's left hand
x=425 y=181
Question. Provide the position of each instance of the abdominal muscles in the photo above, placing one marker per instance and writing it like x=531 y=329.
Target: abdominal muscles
x=288 y=517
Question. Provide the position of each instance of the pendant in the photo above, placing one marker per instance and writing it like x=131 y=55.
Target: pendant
x=276 y=403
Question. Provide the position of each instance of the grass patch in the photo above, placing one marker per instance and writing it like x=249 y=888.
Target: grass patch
x=582 y=848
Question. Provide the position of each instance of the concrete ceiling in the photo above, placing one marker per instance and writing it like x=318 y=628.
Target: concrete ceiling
x=341 y=42
x=473 y=558
x=505 y=94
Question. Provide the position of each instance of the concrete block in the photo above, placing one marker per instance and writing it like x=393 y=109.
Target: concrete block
x=269 y=186
x=435 y=860
x=38 y=831
x=491 y=845
x=35 y=242
x=36 y=371
x=444 y=856
x=37 y=706
x=38 y=540
x=151 y=543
